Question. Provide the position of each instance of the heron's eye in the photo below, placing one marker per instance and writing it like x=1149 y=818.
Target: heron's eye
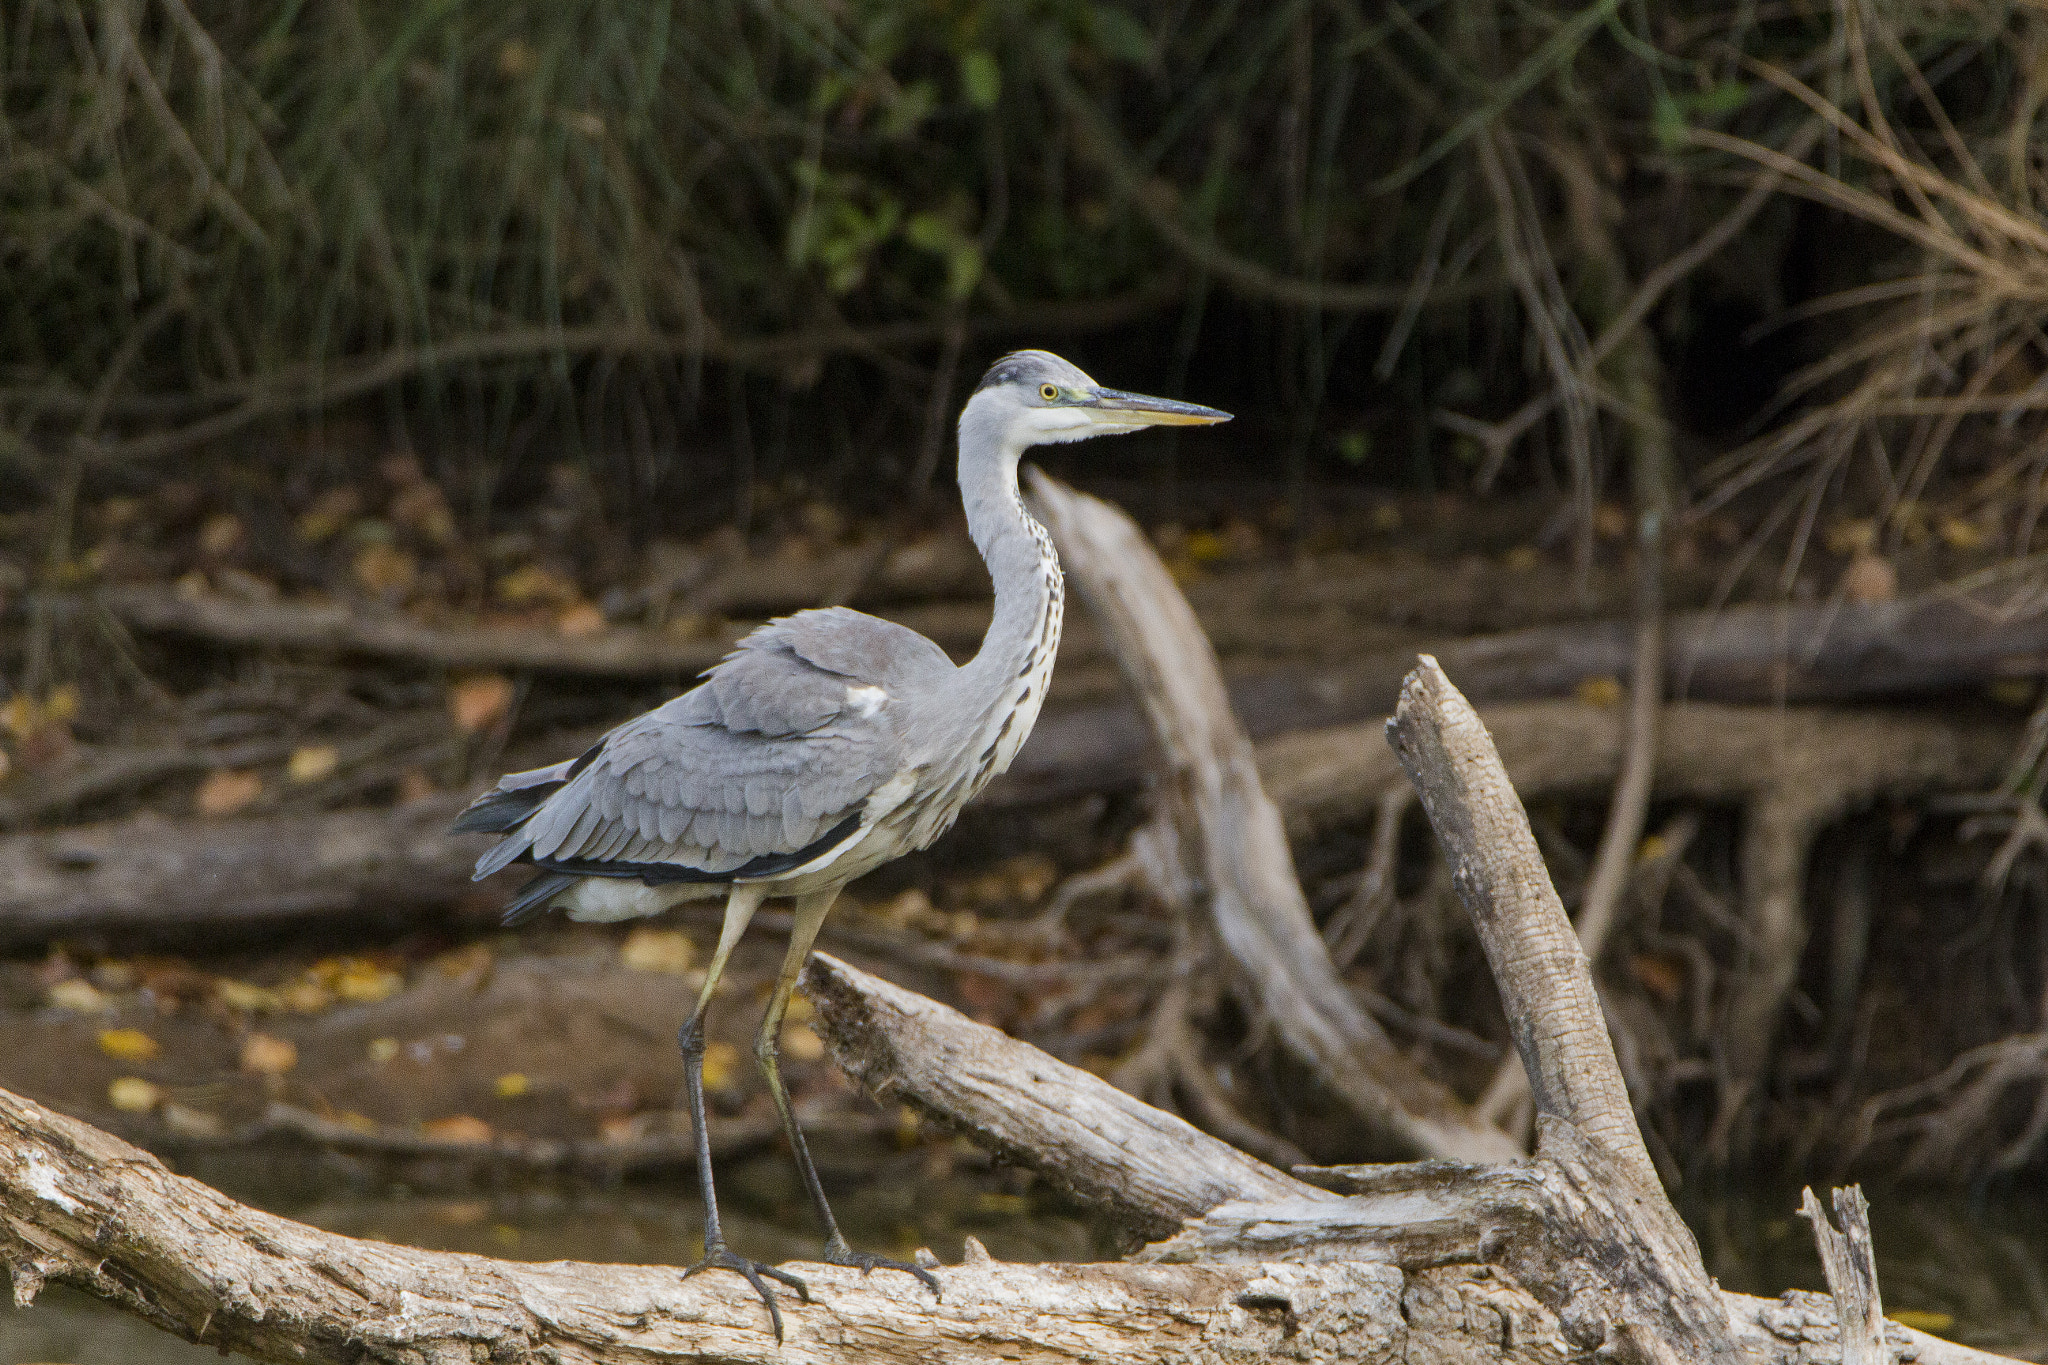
x=1048 y=392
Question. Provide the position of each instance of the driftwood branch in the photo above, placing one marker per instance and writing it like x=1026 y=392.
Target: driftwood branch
x=1232 y=840
x=1849 y=1260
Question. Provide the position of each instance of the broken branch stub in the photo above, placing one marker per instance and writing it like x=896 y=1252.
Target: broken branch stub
x=1545 y=984
x=1233 y=842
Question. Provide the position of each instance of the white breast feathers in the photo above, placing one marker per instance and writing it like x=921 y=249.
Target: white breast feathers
x=865 y=701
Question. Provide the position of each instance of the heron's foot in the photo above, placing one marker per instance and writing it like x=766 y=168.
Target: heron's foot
x=837 y=1252
x=717 y=1257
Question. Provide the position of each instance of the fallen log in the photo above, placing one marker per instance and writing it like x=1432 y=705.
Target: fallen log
x=147 y=873
x=1942 y=640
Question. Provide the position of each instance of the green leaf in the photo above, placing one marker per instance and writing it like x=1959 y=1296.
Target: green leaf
x=1115 y=33
x=1667 y=121
x=981 y=78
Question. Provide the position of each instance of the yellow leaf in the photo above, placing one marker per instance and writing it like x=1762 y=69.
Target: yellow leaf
x=800 y=1044
x=477 y=704
x=240 y=995
x=225 y=791
x=992 y=1201
x=221 y=533
x=1653 y=847
x=311 y=762
x=133 y=1095
x=657 y=950
x=720 y=1061
x=580 y=621
x=79 y=996
x=801 y=1010
x=536 y=583
x=1958 y=534
x=128 y=1044
x=1851 y=537
x=62 y=703
x=458 y=1128
x=1206 y=547
x=1923 y=1320
x=385 y=570
x=382 y=1050
x=268 y=1056
x=304 y=997
x=365 y=983
x=512 y=1085
x=1602 y=692
x=330 y=512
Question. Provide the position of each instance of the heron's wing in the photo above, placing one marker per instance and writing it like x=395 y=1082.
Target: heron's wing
x=769 y=764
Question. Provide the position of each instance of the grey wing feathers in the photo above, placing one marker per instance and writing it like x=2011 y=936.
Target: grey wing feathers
x=777 y=748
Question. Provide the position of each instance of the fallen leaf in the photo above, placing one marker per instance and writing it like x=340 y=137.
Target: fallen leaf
x=423 y=509
x=133 y=1095
x=459 y=1128
x=1870 y=578
x=186 y=1121
x=535 y=584
x=720 y=1062
x=128 y=1044
x=304 y=997
x=580 y=621
x=330 y=512
x=1603 y=691
x=800 y=1043
x=657 y=950
x=1663 y=977
x=385 y=570
x=268 y=1056
x=363 y=981
x=382 y=1050
x=1958 y=534
x=512 y=1085
x=79 y=996
x=220 y=534
x=1851 y=537
x=311 y=762
x=1653 y=847
x=240 y=995
x=476 y=704
x=226 y=791
x=1206 y=547
x=1922 y=1320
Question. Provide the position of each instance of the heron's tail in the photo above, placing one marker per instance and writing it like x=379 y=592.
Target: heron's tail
x=501 y=812
x=534 y=897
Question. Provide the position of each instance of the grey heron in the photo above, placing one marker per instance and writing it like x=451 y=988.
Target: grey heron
x=826 y=744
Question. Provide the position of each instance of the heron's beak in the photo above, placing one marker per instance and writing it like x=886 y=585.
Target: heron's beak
x=1121 y=411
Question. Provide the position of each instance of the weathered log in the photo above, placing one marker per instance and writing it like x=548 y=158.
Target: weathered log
x=1937 y=641
x=147 y=872
x=1232 y=842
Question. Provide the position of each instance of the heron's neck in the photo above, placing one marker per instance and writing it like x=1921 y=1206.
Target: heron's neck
x=1020 y=559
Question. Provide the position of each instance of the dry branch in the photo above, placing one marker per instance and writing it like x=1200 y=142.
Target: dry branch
x=1153 y=1169
x=1232 y=842
x=1545 y=983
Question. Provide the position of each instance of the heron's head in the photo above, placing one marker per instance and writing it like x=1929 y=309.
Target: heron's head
x=1038 y=398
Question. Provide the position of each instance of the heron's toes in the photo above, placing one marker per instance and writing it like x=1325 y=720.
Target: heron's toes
x=719 y=1258
x=839 y=1253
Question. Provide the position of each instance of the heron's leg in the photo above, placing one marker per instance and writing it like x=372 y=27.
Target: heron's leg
x=739 y=909
x=810 y=916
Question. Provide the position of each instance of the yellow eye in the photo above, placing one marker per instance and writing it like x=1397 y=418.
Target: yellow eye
x=1048 y=392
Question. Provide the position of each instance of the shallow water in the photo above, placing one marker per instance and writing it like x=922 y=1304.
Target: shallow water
x=1979 y=1262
